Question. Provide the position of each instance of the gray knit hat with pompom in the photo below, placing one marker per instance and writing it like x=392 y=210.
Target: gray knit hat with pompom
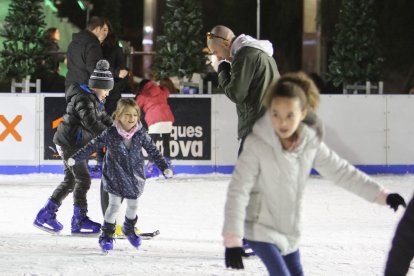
x=101 y=77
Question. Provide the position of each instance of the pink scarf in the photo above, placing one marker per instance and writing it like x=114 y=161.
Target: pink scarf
x=126 y=134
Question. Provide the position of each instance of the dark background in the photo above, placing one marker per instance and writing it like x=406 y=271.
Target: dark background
x=281 y=23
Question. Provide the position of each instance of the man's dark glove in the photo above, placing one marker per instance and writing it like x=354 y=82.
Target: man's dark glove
x=395 y=200
x=234 y=256
x=224 y=66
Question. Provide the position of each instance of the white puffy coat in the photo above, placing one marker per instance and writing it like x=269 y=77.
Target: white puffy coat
x=265 y=195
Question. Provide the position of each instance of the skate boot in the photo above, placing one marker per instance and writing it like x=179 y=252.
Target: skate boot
x=118 y=232
x=120 y=235
x=46 y=218
x=151 y=170
x=129 y=230
x=81 y=224
x=106 y=239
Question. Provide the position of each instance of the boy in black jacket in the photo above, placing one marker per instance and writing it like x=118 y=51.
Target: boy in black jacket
x=85 y=118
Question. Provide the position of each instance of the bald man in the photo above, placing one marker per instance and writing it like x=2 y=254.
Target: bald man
x=245 y=71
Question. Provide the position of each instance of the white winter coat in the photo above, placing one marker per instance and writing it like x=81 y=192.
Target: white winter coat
x=265 y=195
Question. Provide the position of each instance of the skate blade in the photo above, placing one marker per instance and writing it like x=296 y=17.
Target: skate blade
x=149 y=235
x=46 y=229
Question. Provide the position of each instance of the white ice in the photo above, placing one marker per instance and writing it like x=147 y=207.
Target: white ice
x=343 y=234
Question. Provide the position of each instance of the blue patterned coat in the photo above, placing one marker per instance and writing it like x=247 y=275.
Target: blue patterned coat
x=123 y=169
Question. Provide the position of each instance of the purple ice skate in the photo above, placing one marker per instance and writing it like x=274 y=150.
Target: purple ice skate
x=46 y=218
x=151 y=170
x=81 y=224
x=129 y=230
x=106 y=239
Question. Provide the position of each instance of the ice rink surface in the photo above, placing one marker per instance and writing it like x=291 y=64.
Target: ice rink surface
x=343 y=234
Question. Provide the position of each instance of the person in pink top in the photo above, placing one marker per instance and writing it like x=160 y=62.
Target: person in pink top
x=152 y=100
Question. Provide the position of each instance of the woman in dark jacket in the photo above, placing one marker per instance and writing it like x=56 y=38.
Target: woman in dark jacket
x=114 y=54
x=402 y=250
x=123 y=168
x=51 y=38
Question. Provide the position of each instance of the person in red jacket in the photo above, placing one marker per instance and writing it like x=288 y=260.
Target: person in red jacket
x=152 y=100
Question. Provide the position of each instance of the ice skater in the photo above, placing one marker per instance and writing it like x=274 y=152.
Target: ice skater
x=265 y=195
x=85 y=118
x=152 y=99
x=123 y=168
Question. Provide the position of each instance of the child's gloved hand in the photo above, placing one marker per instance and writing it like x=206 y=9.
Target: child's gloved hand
x=233 y=257
x=395 y=200
x=168 y=173
x=71 y=162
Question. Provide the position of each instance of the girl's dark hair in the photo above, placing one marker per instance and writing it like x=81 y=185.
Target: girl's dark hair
x=167 y=83
x=95 y=22
x=141 y=85
x=295 y=85
x=111 y=39
x=49 y=33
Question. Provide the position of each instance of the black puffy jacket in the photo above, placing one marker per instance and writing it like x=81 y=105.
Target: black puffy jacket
x=84 y=51
x=85 y=118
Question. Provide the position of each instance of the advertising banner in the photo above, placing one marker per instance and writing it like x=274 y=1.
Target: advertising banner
x=190 y=137
x=54 y=109
x=18 y=134
x=191 y=134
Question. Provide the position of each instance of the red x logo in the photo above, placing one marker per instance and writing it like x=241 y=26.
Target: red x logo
x=10 y=128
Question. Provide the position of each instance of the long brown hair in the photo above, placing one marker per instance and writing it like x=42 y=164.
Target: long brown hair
x=295 y=85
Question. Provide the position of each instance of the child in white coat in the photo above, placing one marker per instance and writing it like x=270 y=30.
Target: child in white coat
x=266 y=191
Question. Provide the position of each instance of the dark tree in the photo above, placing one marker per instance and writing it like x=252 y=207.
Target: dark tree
x=355 y=54
x=180 y=44
x=112 y=10
x=22 y=31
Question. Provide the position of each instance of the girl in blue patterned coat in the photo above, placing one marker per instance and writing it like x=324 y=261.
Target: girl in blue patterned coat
x=123 y=174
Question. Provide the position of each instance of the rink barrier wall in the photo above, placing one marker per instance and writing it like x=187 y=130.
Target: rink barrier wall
x=374 y=132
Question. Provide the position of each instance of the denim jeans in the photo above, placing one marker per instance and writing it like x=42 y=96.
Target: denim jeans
x=276 y=264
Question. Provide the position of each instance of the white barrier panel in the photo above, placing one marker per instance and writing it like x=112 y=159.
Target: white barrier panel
x=367 y=130
x=355 y=127
x=225 y=131
x=18 y=129
x=400 y=126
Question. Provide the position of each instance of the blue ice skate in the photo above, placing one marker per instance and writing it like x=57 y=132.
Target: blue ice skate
x=106 y=239
x=151 y=170
x=130 y=232
x=46 y=218
x=81 y=224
